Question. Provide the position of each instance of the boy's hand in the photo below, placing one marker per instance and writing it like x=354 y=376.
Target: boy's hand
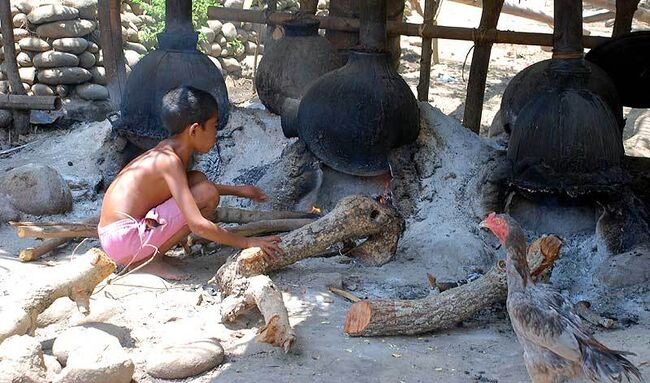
x=254 y=193
x=269 y=245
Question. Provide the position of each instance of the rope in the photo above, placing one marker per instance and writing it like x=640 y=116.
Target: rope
x=479 y=35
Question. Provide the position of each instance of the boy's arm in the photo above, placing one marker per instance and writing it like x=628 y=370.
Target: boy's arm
x=176 y=178
x=245 y=191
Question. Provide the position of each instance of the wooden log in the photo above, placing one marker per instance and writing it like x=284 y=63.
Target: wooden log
x=641 y=14
x=624 y=14
x=598 y=17
x=353 y=217
x=270 y=226
x=439 y=311
x=430 y=9
x=20 y=118
x=235 y=215
x=395 y=28
x=33 y=253
x=24 y=102
x=55 y=230
x=479 y=68
x=75 y=280
x=110 y=26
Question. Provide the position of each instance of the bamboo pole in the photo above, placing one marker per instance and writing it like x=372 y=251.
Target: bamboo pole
x=515 y=9
x=405 y=29
x=430 y=8
x=20 y=117
x=24 y=102
x=479 y=67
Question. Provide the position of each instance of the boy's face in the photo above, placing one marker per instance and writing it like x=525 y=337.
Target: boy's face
x=206 y=135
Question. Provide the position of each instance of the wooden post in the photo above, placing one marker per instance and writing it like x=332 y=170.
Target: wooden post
x=271 y=7
x=624 y=14
x=479 y=68
x=430 y=9
x=110 y=26
x=20 y=117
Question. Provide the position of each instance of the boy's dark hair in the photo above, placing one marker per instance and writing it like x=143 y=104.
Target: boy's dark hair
x=186 y=105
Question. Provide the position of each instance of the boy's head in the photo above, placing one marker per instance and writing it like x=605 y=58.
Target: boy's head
x=190 y=108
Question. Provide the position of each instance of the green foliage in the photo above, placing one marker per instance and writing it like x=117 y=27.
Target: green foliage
x=156 y=9
x=235 y=45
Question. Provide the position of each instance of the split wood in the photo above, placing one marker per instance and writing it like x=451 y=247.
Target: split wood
x=89 y=230
x=75 y=280
x=33 y=253
x=446 y=309
x=241 y=279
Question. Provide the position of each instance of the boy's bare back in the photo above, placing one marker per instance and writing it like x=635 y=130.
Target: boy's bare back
x=141 y=185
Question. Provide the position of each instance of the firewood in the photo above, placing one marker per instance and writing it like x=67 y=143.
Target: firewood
x=32 y=253
x=263 y=227
x=75 y=280
x=583 y=308
x=55 y=230
x=354 y=217
x=344 y=294
x=241 y=216
x=444 y=310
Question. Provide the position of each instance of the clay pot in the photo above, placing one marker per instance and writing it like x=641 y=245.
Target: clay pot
x=293 y=63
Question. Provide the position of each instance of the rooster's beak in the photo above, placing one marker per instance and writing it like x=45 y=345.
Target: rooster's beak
x=483 y=224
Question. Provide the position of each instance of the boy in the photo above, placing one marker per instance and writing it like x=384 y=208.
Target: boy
x=154 y=202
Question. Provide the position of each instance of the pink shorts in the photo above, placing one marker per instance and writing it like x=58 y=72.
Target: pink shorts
x=130 y=240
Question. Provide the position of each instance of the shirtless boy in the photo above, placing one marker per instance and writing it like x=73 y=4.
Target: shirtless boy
x=155 y=202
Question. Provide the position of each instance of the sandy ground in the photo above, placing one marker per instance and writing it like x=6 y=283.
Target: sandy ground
x=144 y=311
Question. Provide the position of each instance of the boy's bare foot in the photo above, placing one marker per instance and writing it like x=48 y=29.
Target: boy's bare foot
x=164 y=269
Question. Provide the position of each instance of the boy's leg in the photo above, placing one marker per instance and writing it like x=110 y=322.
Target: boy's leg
x=207 y=199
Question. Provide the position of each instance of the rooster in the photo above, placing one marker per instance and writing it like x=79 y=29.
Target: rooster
x=558 y=347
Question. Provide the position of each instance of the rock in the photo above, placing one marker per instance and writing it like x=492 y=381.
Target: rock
x=208 y=33
x=215 y=50
x=221 y=39
x=126 y=8
x=215 y=25
x=99 y=75
x=229 y=31
x=5 y=118
x=205 y=46
x=131 y=18
x=27 y=87
x=64 y=75
x=87 y=60
x=74 y=45
x=74 y=338
x=23 y=59
x=24 y=6
x=67 y=28
x=234 y=4
x=141 y=49
x=251 y=47
x=27 y=74
x=131 y=57
x=20 y=20
x=92 y=47
x=4 y=87
x=132 y=35
x=92 y=91
x=36 y=189
x=21 y=360
x=7 y=211
x=93 y=363
x=34 y=44
x=62 y=90
x=20 y=33
x=624 y=270
x=42 y=90
x=87 y=8
x=54 y=59
x=148 y=20
x=247 y=26
x=184 y=360
x=52 y=367
x=216 y=62
x=231 y=65
x=100 y=57
x=242 y=36
x=53 y=12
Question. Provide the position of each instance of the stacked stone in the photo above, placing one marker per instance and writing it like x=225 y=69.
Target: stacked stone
x=58 y=47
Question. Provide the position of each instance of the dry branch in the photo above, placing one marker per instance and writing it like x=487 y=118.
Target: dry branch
x=55 y=230
x=75 y=280
x=353 y=218
x=444 y=310
x=241 y=216
x=25 y=102
x=32 y=253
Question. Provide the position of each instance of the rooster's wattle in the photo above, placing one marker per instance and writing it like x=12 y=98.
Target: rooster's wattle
x=558 y=347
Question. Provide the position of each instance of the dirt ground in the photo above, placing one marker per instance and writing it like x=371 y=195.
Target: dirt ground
x=144 y=311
